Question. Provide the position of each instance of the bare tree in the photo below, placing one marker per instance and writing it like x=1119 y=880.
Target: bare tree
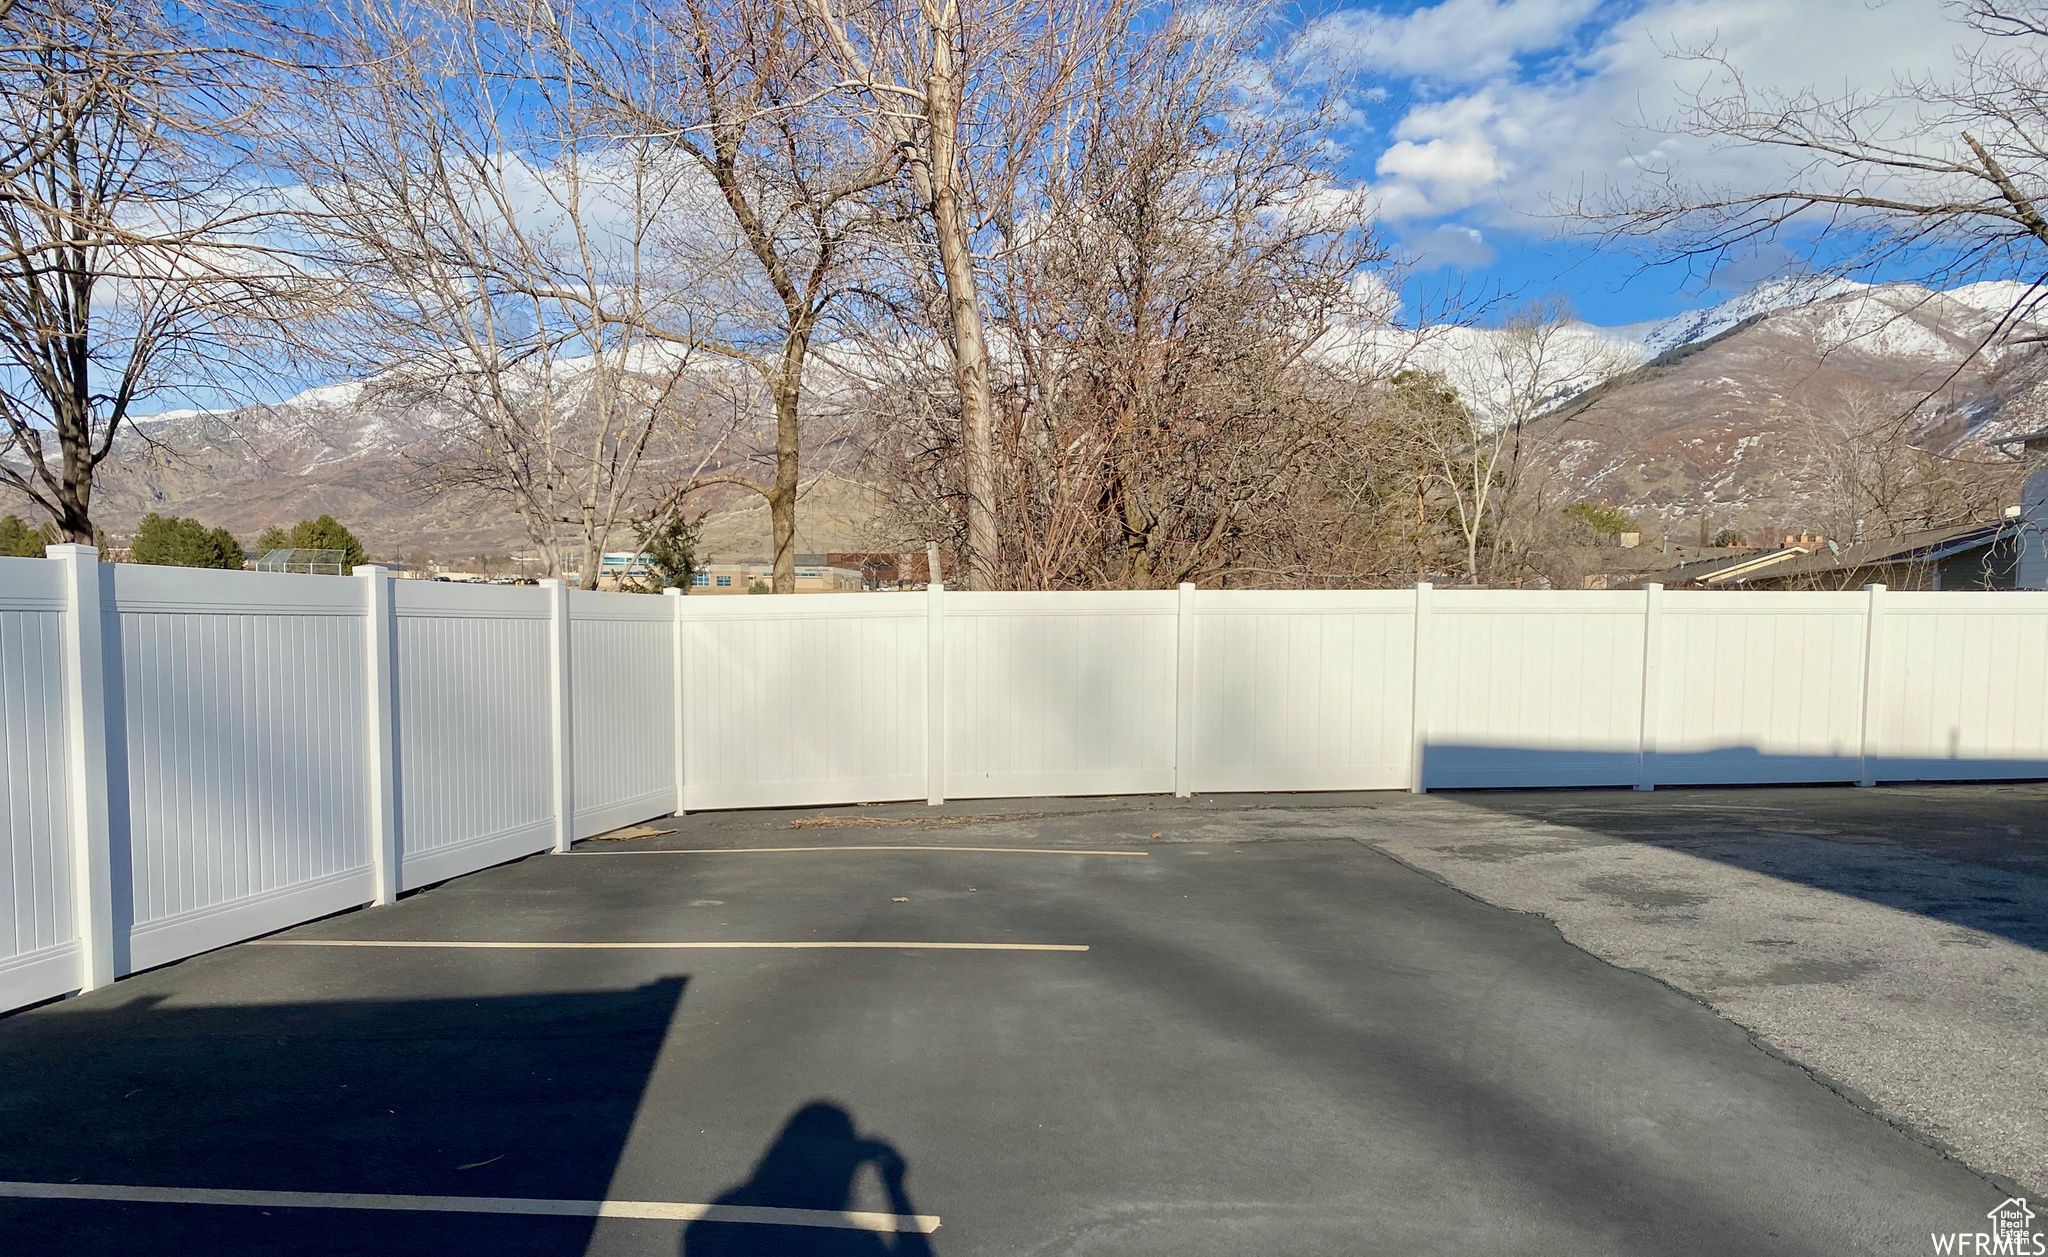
x=1173 y=270
x=1871 y=469
x=1942 y=177
x=136 y=260
x=1506 y=377
x=960 y=92
x=728 y=87
x=508 y=257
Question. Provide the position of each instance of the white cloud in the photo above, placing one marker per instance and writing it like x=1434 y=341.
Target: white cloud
x=1458 y=40
x=1444 y=156
x=1449 y=244
x=1505 y=140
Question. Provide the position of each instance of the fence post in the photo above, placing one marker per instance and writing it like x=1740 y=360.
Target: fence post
x=1418 y=714
x=676 y=664
x=85 y=734
x=935 y=693
x=1184 y=695
x=559 y=700
x=1873 y=675
x=1653 y=679
x=379 y=633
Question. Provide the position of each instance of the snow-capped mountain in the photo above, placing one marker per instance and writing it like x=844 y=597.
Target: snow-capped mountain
x=1710 y=415
x=1750 y=414
x=1663 y=335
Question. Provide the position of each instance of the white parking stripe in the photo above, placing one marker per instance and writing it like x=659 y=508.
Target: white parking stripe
x=858 y=847
x=674 y=1211
x=377 y=942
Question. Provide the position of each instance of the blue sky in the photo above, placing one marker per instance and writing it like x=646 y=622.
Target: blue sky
x=1489 y=110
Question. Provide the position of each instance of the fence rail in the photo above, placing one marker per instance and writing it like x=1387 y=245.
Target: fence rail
x=195 y=757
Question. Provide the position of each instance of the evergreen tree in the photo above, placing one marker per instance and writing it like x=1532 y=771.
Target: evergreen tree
x=1603 y=519
x=323 y=533
x=172 y=541
x=18 y=540
x=671 y=550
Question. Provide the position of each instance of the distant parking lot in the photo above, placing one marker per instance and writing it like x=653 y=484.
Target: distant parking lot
x=1282 y=1024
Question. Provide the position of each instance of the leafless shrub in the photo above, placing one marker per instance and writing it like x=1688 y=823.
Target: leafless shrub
x=1173 y=276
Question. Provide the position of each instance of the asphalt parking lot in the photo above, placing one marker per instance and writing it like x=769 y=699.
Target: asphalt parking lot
x=1269 y=1033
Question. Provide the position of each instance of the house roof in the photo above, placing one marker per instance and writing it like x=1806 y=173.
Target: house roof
x=1727 y=567
x=1929 y=546
x=2022 y=438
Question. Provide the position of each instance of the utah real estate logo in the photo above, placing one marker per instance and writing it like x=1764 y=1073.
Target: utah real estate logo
x=2012 y=1234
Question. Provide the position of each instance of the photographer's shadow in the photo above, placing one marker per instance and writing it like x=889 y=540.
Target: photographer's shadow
x=811 y=1166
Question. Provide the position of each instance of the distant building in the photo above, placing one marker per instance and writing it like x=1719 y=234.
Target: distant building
x=883 y=571
x=2031 y=571
x=740 y=578
x=1967 y=556
x=1726 y=571
x=619 y=564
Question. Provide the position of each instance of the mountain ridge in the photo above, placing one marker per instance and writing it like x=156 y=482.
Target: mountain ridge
x=1707 y=417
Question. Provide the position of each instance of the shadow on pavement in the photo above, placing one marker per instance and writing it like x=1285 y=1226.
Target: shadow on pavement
x=811 y=1165
x=508 y=1096
x=1993 y=881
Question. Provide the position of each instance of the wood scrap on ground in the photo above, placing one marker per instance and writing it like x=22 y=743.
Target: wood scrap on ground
x=907 y=822
x=633 y=831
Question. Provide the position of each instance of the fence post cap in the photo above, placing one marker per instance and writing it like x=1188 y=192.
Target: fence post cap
x=369 y=569
x=68 y=549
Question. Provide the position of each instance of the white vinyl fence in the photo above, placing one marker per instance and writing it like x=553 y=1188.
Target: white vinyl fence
x=195 y=757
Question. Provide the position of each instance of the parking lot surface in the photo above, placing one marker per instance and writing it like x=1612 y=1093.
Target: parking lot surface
x=1264 y=1034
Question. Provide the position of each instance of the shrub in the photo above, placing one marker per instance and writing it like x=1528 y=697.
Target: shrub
x=1608 y=521
x=19 y=541
x=323 y=533
x=173 y=541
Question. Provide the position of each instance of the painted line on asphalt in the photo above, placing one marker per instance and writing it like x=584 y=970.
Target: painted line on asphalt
x=666 y=1210
x=378 y=942
x=859 y=847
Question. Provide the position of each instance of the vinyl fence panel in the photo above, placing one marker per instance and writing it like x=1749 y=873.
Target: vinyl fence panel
x=1761 y=687
x=244 y=738
x=623 y=690
x=38 y=938
x=1059 y=693
x=194 y=757
x=1302 y=690
x=1961 y=687
x=471 y=675
x=803 y=700
x=1529 y=688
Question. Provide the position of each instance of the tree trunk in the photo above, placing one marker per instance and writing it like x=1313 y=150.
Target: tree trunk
x=593 y=553
x=73 y=415
x=74 y=494
x=970 y=340
x=782 y=500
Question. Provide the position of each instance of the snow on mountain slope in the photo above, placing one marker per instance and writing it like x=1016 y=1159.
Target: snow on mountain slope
x=1711 y=436
x=1698 y=325
x=1777 y=423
